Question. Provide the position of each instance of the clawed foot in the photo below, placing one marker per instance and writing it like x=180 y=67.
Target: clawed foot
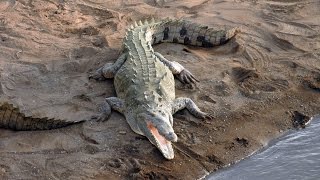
x=186 y=77
x=97 y=75
x=101 y=117
x=203 y=115
x=105 y=112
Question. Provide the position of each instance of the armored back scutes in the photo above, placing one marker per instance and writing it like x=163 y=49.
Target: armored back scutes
x=144 y=79
x=12 y=118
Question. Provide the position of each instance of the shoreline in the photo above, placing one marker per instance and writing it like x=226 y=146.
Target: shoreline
x=254 y=85
x=249 y=163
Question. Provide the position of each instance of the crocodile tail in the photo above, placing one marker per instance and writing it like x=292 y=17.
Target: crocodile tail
x=12 y=118
x=188 y=33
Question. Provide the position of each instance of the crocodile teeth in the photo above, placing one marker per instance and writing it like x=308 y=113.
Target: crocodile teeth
x=140 y=23
x=131 y=27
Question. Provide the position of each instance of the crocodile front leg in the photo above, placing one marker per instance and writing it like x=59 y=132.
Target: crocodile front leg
x=181 y=103
x=116 y=104
x=177 y=69
x=109 y=70
x=105 y=108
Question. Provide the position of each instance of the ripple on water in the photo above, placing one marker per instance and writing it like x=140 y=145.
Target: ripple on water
x=296 y=155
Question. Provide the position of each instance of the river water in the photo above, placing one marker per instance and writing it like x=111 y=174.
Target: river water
x=294 y=156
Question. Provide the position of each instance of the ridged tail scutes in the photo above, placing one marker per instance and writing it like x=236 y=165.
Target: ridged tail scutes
x=189 y=33
x=185 y=32
x=12 y=118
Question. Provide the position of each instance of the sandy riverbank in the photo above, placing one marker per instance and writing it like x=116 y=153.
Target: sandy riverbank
x=252 y=85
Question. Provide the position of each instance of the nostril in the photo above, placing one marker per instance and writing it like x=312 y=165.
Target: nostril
x=171 y=136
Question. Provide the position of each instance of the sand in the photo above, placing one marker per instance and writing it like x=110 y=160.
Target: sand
x=253 y=85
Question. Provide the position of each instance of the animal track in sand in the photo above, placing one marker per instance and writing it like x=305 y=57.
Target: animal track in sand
x=90 y=149
x=251 y=82
x=4 y=170
x=132 y=166
x=312 y=82
x=215 y=160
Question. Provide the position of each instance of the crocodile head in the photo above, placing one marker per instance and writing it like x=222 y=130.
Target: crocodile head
x=157 y=127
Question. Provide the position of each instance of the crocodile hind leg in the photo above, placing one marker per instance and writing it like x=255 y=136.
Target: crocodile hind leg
x=105 y=109
x=109 y=70
x=181 y=103
x=177 y=69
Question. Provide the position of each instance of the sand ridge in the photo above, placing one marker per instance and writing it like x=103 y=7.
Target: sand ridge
x=252 y=85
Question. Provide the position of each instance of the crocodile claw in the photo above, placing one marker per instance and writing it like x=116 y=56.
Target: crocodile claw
x=100 y=117
x=186 y=77
x=206 y=116
x=105 y=112
x=97 y=75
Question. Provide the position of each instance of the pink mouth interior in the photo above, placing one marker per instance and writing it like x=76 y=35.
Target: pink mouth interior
x=162 y=141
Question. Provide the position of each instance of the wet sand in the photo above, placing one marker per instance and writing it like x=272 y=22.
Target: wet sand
x=252 y=85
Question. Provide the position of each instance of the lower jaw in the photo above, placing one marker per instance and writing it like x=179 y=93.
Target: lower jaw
x=164 y=144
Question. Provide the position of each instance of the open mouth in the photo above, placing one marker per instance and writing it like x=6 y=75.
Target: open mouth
x=161 y=142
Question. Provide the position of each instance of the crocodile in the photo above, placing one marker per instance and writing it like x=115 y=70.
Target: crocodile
x=144 y=79
x=12 y=118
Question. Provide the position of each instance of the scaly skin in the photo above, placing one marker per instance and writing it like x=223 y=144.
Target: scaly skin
x=144 y=80
x=12 y=118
